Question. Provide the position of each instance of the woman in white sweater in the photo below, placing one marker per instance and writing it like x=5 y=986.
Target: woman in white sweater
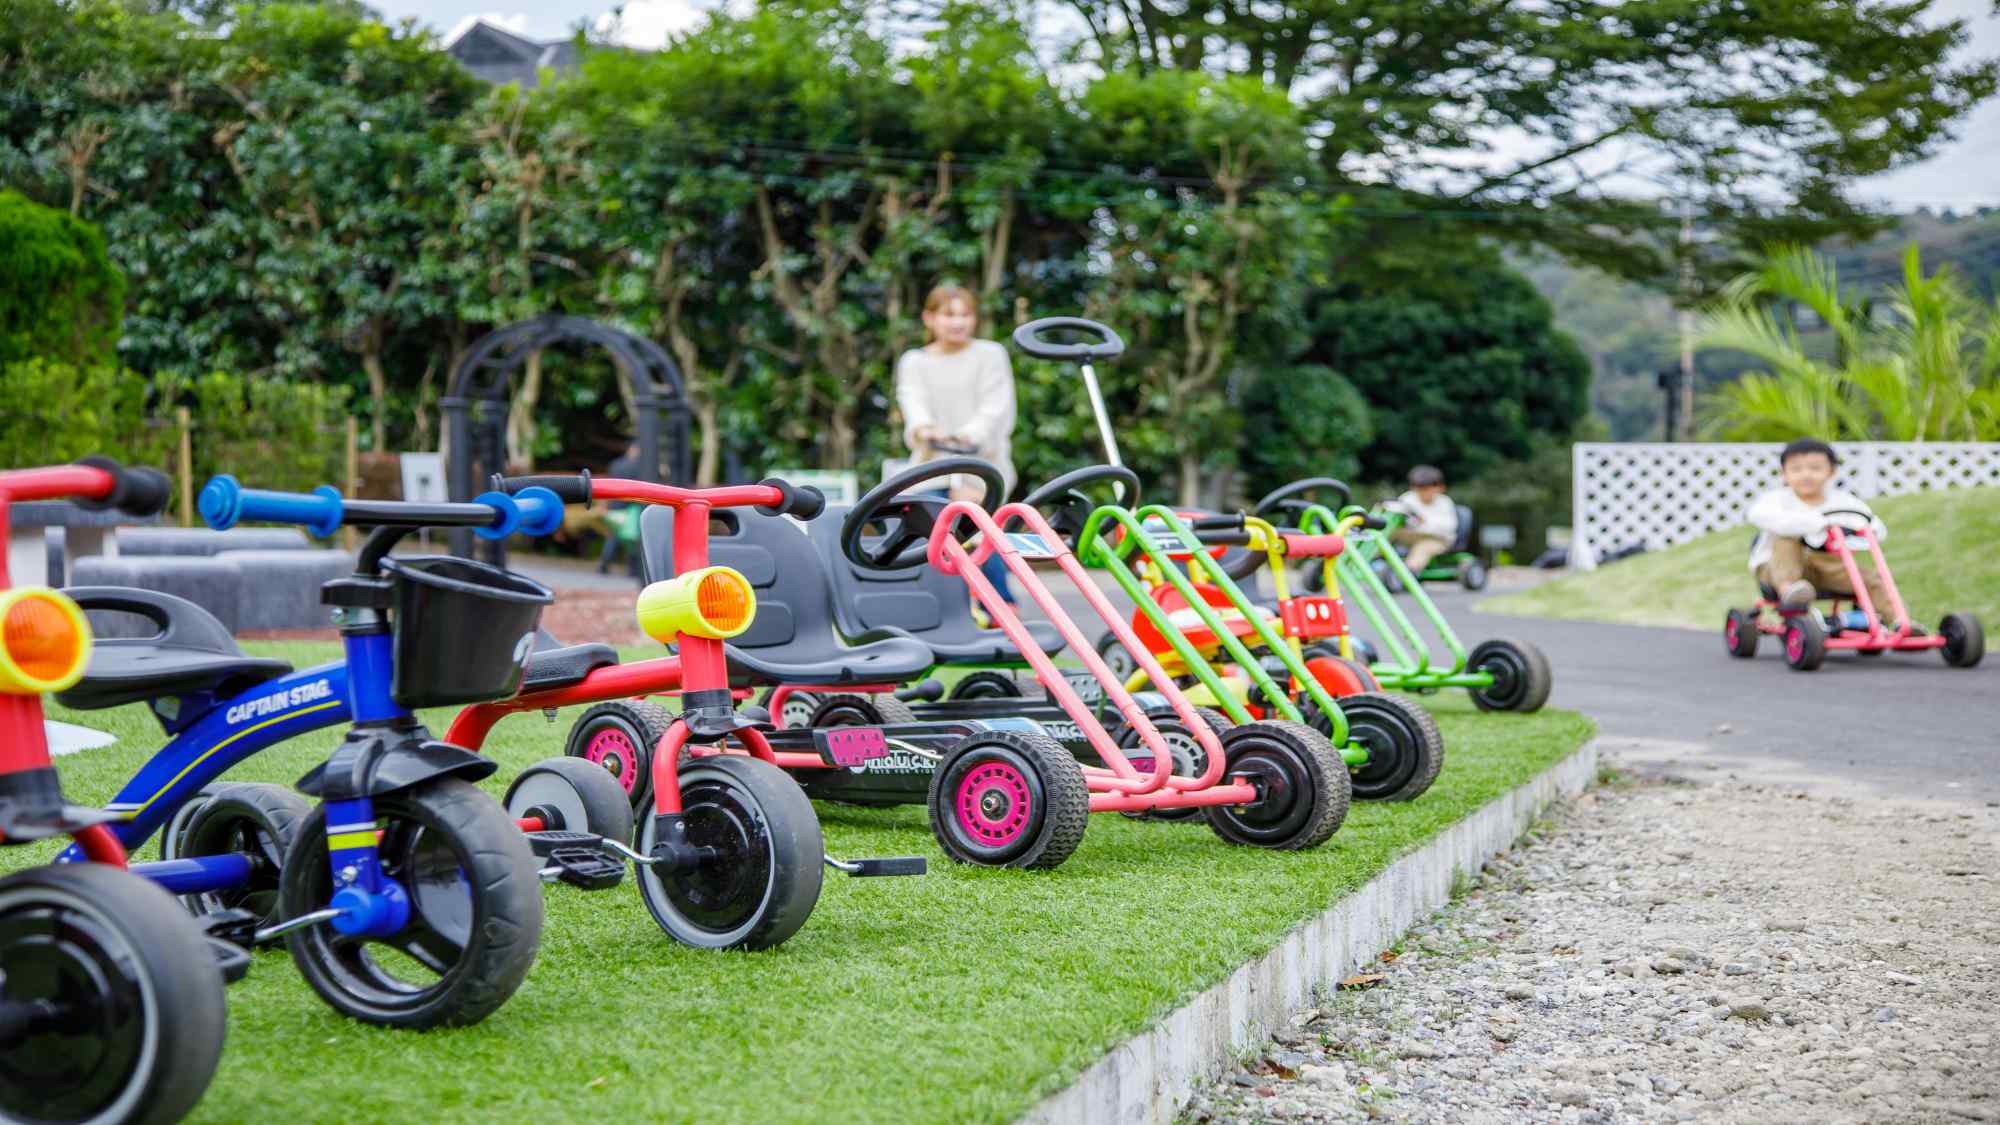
x=956 y=394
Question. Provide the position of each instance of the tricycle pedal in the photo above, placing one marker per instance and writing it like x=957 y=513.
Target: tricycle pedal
x=546 y=842
x=892 y=865
x=587 y=867
x=235 y=927
x=232 y=960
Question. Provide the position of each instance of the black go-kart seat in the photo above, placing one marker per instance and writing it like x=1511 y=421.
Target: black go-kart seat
x=1462 y=542
x=192 y=653
x=792 y=639
x=921 y=602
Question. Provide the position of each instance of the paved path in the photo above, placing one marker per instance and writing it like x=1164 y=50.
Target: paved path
x=1902 y=724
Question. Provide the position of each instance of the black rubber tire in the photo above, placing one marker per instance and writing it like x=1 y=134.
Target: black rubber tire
x=444 y=821
x=986 y=684
x=1405 y=747
x=798 y=707
x=1805 y=642
x=78 y=929
x=1303 y=781
x=572 y=795
x=1964 y=640
x=1472 y=574
x=1116 y=657
x=1522 y=677
x=766 y=886
x=175 y=829
x=879 y=709
x=1739 y=633
x=596 y=737
x=258 y=820
x=1169 y=725
x=1048 y=783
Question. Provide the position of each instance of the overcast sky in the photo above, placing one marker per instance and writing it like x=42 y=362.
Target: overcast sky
x=1964 y=174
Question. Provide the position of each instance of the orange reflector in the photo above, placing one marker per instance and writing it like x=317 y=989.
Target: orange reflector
x=44 y=641
x=724 y=599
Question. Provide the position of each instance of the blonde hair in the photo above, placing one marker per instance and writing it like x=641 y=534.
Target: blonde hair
x=943 y=295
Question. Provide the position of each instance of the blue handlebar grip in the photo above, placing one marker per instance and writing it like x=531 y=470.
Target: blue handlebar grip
x=531 y=511
x=224 y=502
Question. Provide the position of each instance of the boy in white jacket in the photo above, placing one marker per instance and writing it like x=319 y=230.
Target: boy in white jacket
x=1789 y=554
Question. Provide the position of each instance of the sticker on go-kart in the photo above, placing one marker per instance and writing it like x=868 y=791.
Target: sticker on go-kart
x=265 y=705
x=847 y=747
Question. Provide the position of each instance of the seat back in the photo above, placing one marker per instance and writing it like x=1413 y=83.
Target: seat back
x=794 y=598
x=177 y=622
x=933 y=606
x=1463 y=541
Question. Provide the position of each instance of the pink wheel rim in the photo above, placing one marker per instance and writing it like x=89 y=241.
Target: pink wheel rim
x=993 y=803
x=1729 y=632
x=614 y=751
x=1795 y=644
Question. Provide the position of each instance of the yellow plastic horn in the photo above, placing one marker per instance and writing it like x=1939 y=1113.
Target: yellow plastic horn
x=44 y=641
x=716 y=602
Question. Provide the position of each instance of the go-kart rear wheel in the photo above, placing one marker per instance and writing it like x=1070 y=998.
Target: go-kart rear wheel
x=1302 y=787
x=1190 y=759
x=856 y=710
x=986 y=685
x=1002 y=799
x=572 y=795
x=764 y=879
x=475 y=911
x=618 y=738
x=1805 y=642
x=1116 y=656
x=110 y=1000
x=797 y=711
x=1405 y=748
x=1964 y=640
x=255 y=820
x=1739 y=633
x=1521 y=675
x=1472 y=574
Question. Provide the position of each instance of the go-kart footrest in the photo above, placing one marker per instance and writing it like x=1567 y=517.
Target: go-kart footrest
x=234 y=927
x=889 y=865
x=587 y=867
x=232 y=960
x=547 y=841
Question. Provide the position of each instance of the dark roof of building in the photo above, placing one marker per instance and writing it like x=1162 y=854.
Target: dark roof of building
x=496 y=55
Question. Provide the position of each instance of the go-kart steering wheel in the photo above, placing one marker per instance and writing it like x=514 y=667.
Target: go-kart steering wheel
x=1287 y=499
x=1064 y=504
x=908 y=519
x=1107 y=345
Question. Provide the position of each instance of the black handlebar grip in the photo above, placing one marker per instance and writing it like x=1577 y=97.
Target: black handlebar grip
x=1218 y=523
x=1373 y=522
x=571 y=488
x=135 y=490
x=801 y=501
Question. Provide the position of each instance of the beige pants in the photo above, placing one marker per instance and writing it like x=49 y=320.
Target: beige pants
x=1792 y=561
x=1423 y=548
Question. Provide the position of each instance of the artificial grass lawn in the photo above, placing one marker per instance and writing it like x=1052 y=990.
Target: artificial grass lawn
x=964 y=995
x=1938 y=550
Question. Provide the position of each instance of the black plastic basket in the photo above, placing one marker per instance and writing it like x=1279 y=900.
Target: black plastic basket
x=463 y=629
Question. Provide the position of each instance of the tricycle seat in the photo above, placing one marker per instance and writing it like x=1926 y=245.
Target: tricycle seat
x=552 y=668
x=193 y=652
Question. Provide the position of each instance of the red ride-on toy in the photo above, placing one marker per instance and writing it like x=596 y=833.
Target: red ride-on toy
x=1809 y=635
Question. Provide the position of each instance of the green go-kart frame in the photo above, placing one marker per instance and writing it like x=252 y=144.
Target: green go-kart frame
x=1392 y=747
x=1501 y=674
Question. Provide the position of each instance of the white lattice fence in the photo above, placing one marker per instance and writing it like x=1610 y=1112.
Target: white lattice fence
x=1661 y=494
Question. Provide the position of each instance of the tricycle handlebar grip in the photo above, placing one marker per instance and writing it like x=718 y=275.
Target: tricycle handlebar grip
x=135 y=489
x=224 y=502
x=1028 y=338
x=801 y=501
x=571 y=488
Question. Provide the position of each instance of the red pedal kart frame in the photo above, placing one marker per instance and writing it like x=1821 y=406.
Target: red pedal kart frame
x=1959 y=639
x=692 y=855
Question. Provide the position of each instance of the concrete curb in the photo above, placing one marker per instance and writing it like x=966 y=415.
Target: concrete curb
x=1152 y=1075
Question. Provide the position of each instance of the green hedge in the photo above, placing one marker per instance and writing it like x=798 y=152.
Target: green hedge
x=270 y=434
x=59 y=295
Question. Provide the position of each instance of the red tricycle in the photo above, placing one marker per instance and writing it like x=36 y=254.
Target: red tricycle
x=1809 y=635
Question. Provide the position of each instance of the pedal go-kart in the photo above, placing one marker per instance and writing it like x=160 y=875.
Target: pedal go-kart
x=406 y=895
x=1501 y=674
x=111 y=1005
x=729 y=854
x=1458 y=563
x=1808 y=635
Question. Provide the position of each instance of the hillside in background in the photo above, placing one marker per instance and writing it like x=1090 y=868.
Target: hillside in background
x=1630 y=331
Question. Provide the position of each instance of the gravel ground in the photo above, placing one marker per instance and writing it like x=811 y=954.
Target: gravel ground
x=1659 y=950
